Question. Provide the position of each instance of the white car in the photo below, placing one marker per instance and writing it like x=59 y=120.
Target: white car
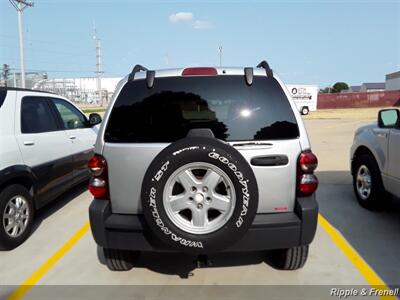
x=45 y=144
x=375 y=159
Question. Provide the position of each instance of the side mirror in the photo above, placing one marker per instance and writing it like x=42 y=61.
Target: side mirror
x=389 y=118
x=94 y=119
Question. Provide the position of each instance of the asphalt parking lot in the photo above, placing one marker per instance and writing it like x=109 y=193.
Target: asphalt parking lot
x=61 y=251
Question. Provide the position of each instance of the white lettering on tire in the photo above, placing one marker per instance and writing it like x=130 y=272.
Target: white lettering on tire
x=165 y=229
x=160 y=172
x=185 y=149
x=242 y=181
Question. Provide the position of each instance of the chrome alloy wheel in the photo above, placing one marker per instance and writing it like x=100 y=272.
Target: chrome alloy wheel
x=16 y=216
x=363 y=182
x=199 y=198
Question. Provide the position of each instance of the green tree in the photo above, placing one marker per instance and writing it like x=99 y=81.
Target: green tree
x=324 y=90
x=339 y=86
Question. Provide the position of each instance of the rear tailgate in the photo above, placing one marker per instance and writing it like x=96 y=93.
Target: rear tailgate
x=276 y=179
x=144 y=121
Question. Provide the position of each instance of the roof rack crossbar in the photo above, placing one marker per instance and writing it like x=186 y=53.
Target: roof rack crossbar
x=136 y=69
x=265 y=66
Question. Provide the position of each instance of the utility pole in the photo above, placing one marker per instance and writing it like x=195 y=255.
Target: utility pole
x=220 y=56
x=20 y=5
x=98 y=66
x=14 y=79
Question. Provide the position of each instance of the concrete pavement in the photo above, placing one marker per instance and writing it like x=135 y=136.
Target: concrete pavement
x=327 y=264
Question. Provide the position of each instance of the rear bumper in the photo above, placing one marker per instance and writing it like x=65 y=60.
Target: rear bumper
x=268 y=231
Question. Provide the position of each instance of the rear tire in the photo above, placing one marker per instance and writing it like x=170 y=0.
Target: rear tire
x=305 y=111
x=289 y=259
x=16 y=207
x=374 y=199
x=120 y=260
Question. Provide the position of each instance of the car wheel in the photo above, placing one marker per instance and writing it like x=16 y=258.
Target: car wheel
x=16 y=208
x=120 y=260
x=199 y=195
x=367 y=182
x=305 y=111
x=288 y=259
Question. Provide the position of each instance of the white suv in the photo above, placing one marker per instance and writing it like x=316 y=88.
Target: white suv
x=45 y=143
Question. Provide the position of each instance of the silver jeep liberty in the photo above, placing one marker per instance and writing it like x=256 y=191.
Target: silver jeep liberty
x=200 y=161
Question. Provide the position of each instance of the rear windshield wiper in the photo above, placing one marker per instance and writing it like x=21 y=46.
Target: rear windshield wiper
x=252 y=144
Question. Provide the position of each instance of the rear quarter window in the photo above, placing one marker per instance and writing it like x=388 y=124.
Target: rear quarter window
x=233 y=110
x=3 y=94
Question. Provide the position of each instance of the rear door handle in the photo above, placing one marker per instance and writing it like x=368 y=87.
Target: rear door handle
x=29 y=143
x=72 y=137
x=270 y=160
x=382 y=135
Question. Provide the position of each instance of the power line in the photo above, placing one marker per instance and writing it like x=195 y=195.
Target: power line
x=53 y=71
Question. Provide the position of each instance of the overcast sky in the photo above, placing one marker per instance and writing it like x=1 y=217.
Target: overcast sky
x=310 y=42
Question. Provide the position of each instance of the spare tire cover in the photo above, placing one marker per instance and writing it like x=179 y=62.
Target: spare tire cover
x=199 y=195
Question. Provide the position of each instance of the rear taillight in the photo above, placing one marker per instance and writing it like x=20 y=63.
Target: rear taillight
x=199 y=72
x=308 y=162
x=97 y=164
x=307 y=182
x=98 y=185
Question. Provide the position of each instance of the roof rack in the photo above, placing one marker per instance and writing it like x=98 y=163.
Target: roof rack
x=8 y=88
x=150 y=75
x=265 y=66
x=136 y=69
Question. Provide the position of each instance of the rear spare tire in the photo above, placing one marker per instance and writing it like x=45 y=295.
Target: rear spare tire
x=199 y=195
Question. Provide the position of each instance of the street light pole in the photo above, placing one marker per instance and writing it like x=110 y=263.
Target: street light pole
x=21 y=46
x=20 y=5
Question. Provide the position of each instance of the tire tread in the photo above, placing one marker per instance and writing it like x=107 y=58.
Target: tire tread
x=290 y=259
x=120 y=260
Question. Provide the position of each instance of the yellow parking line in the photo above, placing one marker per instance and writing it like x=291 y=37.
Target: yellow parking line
x=372 y=278
x=21 y=291
x=366 y=271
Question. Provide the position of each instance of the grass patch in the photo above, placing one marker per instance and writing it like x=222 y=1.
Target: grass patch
x=93 y=110
x=364 y=114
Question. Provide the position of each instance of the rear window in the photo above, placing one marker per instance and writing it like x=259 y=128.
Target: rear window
x=233 y=110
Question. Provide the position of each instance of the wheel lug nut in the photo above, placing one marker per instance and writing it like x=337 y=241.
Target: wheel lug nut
x=190 y=198
x=194 y=189
x=205 y=189
x=200 y=206
x=208 y=199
